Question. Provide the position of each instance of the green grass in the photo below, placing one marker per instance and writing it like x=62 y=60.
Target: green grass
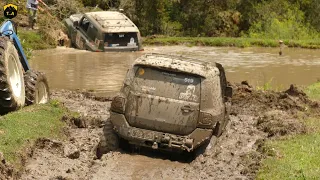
x=229 y=41
x=313 y=91
x=31 y=40
x=297 y=157
x=266 y=86
x=20 y=129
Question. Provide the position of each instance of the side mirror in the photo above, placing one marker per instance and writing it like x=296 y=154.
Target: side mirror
x=228 y=92
x=76 y=24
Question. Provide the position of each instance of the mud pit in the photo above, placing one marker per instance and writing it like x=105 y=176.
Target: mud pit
x=255 y=116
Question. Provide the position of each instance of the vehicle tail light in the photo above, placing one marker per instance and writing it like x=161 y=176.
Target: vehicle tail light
x=118 y=104
x=205 y=119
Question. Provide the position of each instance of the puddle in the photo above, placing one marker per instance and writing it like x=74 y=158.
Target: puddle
x=72 y=69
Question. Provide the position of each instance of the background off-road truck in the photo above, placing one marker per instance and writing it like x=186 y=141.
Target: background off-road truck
x=170 y=103
x=103 y=31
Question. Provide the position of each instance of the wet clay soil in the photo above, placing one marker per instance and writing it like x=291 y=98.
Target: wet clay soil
x=255 y=116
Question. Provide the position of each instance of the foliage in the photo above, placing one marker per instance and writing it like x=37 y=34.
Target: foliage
x=63 y=9
x=276 y=19
x=297 y=22
x=266 y=86
x=280 y=20
x=104 y=4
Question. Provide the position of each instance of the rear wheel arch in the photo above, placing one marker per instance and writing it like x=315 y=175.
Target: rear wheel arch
x=221 y=125
x=223 y=79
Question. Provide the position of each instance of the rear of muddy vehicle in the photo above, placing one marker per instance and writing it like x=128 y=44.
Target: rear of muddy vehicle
x=103 y=31
x=170 y=103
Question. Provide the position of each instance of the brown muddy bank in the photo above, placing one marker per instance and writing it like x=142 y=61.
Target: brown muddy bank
x=256 y=116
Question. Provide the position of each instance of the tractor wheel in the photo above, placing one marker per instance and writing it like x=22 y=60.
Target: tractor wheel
x=12 y=90
x=37 y=89
x=109 y=140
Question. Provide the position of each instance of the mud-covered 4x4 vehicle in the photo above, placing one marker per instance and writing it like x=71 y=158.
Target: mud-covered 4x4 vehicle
x=103 y=31
x=169 y=103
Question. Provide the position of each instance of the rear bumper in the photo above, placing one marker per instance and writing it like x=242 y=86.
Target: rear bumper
x=123 y=48
x=158 y=140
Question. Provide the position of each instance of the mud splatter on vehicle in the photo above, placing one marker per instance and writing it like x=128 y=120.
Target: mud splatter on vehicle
x=170 y=103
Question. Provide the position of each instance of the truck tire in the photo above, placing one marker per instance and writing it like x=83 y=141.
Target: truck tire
x=221 y=128
x=12 y=90
x=37 y=88
x=109 y=140
x=206 y=148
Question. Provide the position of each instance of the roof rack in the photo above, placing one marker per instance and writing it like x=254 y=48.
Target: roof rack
x=182 y=58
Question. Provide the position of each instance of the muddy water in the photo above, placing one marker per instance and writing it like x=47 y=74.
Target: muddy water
x=103 y=72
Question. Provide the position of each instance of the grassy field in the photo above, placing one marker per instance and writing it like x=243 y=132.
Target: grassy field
x=20 y=129
x=313 y=91
x=297 y=157
x=228 y=41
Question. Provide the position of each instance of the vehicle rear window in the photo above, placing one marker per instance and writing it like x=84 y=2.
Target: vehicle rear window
x=121 y=39
x=169 y=84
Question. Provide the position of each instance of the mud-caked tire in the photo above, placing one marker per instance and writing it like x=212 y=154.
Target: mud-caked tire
x=109 y=140
x=206 y=148
x=12 y=90
x=37 y=88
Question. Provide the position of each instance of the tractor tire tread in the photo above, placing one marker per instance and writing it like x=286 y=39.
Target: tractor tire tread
x=7 y=101
x=31 y=79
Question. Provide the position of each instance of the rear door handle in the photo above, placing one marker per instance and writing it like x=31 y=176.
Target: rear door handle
x=187 y=108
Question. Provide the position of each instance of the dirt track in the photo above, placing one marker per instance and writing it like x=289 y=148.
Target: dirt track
x=255 y=117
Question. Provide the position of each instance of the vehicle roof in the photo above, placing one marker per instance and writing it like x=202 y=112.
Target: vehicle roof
x=178 y=63
x=112 y=21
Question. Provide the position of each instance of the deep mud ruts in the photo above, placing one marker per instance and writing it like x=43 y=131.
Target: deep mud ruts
x=255 y=116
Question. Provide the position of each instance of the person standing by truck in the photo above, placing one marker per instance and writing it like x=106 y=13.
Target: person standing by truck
x=32 y=6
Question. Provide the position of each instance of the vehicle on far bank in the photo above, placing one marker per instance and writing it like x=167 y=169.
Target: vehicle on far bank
x=103 y=31
x=170 y=103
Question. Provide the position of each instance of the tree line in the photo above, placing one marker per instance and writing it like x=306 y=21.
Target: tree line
x=288 y=19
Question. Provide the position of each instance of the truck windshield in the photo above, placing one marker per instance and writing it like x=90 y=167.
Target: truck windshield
x=121 y=39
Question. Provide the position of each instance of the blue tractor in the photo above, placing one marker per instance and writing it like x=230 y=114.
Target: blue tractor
x=19 y=85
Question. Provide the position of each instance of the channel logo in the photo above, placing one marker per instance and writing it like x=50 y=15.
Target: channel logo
x=10 y=11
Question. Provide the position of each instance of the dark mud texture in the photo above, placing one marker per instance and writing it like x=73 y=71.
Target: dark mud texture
x=6 y=171
x=255 y=117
